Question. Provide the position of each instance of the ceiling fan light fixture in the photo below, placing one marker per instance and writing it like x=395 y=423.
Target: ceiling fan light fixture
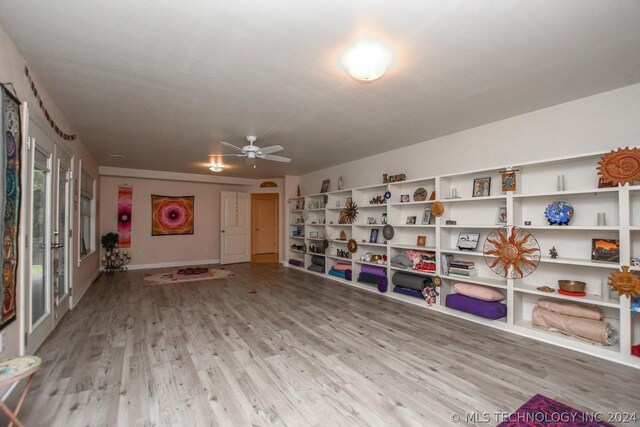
x=367 y=60
x=216 y=167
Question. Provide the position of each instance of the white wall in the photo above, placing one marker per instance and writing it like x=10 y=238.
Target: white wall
x=600 y=122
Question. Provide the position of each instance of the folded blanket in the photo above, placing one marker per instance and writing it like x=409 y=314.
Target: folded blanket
x=296 y=262
x=410 y=281
x=372 y=269
x=401 y=260
x=337 y=273
x=571 y=309
x=317 y=260
x=342 y=267
x=591 y=330
x=317 y=268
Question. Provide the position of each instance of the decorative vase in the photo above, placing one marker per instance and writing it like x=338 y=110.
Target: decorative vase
x=560 y=182
x=602 y=219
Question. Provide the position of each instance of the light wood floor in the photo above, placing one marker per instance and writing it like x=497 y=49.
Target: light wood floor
x=274 y=346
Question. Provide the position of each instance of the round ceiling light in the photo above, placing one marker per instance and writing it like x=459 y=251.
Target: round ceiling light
x=216 y=167
x=367 y=60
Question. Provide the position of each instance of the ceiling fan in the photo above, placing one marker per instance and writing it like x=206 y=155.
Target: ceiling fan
x=253 y=152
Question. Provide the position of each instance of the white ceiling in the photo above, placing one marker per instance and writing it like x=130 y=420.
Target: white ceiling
x=162 y=81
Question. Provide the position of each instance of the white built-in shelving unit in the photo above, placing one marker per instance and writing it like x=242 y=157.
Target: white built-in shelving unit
x=536 y=189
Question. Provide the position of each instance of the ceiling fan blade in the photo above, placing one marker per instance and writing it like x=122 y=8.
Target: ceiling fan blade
x=271 y=149
x=276 y=158
x=230 y=145
x=227 y=155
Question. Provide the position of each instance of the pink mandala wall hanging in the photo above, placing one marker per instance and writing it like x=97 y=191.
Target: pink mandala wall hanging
x=511 y=252
x=171 y=215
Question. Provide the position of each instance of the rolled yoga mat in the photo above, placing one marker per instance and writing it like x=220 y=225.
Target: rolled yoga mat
x=342 y=267
x=317 y=260
x=372 y=269
x=317 y=268
x=410 y=281
x=346 y=274
x=296 y=262
x=487 y=309
x=591 y=330
x=407 y=291
x=571 y=309
x=370 y=278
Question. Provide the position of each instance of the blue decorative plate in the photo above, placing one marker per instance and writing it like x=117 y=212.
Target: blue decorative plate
x=559 y=213
x=387 y=195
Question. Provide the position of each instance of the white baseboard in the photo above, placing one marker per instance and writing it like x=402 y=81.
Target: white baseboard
x=173 y=264
x=95 y=276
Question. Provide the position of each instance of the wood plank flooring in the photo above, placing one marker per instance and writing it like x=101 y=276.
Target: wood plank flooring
x=275 y=346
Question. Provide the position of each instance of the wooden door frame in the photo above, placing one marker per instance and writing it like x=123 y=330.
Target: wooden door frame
x=268 y=258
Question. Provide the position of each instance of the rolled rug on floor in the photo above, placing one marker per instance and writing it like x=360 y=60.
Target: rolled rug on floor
x=317 y=260
x=296 y=262
x=595 y=331
x=372 y=269
x=317 y=268
x=410 y=281
x=571 y=309
x=487 y=309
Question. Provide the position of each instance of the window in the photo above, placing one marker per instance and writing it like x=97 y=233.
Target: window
x=87 y=214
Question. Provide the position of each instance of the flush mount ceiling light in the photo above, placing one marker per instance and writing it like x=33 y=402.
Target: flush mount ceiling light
x=116 y=156
x=216 y=167
x=367 y=60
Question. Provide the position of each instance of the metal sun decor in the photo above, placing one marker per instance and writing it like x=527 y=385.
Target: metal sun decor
x=351 y=212
x=511 y=252
x=625 y=282
x=620 y=167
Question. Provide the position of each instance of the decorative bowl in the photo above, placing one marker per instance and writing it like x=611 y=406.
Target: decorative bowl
x=559 y=213
x=571 y=285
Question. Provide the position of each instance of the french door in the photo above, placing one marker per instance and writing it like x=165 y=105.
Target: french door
x=47 y=240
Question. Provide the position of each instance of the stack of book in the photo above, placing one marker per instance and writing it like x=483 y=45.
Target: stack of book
x=463 y=268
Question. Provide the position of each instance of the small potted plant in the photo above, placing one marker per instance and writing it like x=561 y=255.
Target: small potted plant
x=114 y=259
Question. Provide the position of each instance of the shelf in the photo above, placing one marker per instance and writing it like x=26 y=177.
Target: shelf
x=412 y=271
x=339 y=258
x=414 y=225
x=472 y=226
x=634 y=227
x=571 y=227
x=581 y=261
x=414 y=247
x=296 y=198
x=297 y=225
x=501 y=322
x=370 y=225
x=314 y=225
x=384 y=205
x=494 y=283
x=296 y=250
x=336 y=209
x=316 y=210
x=297 y=237
x=357 y=261
x=634 y=268
x=473 y=199
x=567 y=193
x=313 y=253
x=424 y=202
x=313 y=239
x=459 y=252
x=339 y=225
x=382 y=245
x=589 y=298
x=296 y=211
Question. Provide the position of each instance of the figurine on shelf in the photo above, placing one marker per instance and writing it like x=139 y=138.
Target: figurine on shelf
x=553 y=253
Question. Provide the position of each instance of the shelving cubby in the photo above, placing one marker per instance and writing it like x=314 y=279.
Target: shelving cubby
x=536 y=188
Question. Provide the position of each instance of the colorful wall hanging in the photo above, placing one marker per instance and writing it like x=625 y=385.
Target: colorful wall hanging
x=52 y=123
x=620 y=167
x=511 y=252
x=125 y=208
x=10 y=209
x=171 y=215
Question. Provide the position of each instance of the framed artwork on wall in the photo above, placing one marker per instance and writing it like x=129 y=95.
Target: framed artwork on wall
x=171 y=215
x=325 y=186
x=482 y=187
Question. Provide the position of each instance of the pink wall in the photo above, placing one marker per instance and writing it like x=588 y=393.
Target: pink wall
x=148 y=250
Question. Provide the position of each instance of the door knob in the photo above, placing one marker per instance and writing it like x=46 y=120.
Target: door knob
x=57 y=245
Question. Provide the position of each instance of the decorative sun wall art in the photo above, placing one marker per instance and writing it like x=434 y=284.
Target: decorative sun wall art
x=171 y=215
x=511 y=252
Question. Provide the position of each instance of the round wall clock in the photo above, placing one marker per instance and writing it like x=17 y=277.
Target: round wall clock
x=420 y=195
x=388 y=232
x=352 y=246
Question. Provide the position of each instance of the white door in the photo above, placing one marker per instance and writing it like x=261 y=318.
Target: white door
x=61 y=246
x=235 y=223
x=38 y=266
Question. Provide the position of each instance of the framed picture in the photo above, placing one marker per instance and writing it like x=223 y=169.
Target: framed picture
x=422 y=241
x=482 y=187
x=371 y=220
x=348 y=201
x=509 y=181
x=426 y=216
x=605 y=250
x=343 y=218
x=313 y=234
x=374 y=236
x=411 y=220
x=325 y=186
x=405 y=198
x=384 y=218
x=298 y=205
x=501 y=215
x=468 y=241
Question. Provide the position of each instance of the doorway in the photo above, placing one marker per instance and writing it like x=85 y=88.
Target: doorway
x=265 y=228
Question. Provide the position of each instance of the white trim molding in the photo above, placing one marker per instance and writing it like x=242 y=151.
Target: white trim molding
x=178 y=176
x=173 y=264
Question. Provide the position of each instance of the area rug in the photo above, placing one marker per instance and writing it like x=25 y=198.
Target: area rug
x=541 y=411
x=173 y=277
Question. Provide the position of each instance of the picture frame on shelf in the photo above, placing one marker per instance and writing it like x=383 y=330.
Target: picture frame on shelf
x=325 y=186
x=605 y=250
x=348 y=201
x=298 y=204
x=468 y=241
x=384 y=219
x=405 y=198
x=482 y=187
x=421 y=241
x=411 y=220
x=371 y=220
x=426 y=216
x=343 y=218
x=509 y=181
x=373 y=238
x=313 y=235
x=501 y=215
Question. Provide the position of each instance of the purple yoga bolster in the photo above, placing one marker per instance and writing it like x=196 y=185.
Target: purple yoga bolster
x=407 y=291
x=347 y=274
x=487 y=309
x=296 y=262
x=372 y=269
x=383 y=284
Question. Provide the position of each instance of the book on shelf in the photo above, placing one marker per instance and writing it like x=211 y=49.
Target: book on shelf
x=446 y=263
x=462 y=265
x=463 y=272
